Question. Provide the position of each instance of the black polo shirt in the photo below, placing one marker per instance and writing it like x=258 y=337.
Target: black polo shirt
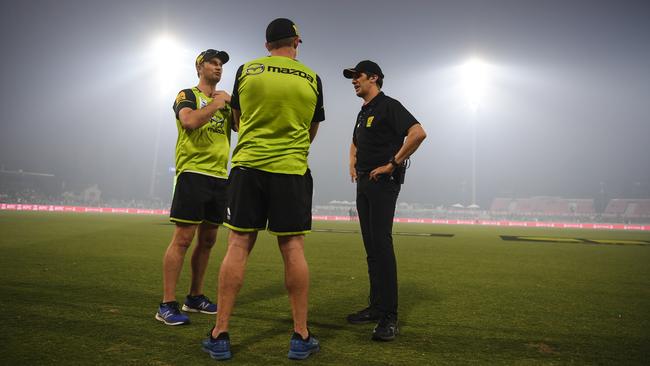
x=379 y=132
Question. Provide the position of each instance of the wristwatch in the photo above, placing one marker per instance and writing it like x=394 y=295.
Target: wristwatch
x=393 y=162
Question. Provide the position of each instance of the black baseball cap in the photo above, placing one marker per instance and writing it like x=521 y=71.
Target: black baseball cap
x=281 y=28
x=209 y=54
x=365 y=66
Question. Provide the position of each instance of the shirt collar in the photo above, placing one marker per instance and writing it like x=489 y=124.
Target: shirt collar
x=374 y=101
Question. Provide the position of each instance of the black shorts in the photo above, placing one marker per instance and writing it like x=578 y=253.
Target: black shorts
x=256 y=196
x=198 y=198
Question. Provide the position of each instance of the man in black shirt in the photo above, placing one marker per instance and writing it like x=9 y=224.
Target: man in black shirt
x=377 y=161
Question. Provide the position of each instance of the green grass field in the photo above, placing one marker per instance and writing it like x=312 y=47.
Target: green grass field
x=83 y=289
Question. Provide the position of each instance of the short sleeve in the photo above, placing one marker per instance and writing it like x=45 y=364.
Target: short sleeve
x=234 y=98
x=401 y=117
x=184 y=99
x=319 y=111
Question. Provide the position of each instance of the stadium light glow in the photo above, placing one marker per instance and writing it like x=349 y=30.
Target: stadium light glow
x=475 y=78
x=167 y=57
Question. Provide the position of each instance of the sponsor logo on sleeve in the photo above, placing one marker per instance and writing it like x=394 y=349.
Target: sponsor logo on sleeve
x=181 y=97
x=254 y=69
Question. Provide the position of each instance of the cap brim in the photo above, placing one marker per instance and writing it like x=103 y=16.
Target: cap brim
x=223 y=56
x=349 y=73
x=277 y=38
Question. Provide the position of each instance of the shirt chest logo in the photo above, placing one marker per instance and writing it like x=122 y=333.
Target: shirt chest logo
x=216 y=125
x=202 y=102
x=369 y=121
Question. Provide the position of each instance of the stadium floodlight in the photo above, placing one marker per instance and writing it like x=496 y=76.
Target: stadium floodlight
x=475 y=77
x=474 y=81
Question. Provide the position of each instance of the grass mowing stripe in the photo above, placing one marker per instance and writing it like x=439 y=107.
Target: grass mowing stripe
x=541 y=239
x=401 y=233
x=618 y=242
x=574 y=240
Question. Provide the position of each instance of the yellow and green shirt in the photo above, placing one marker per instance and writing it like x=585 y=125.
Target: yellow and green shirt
x=203 y=150
x=279 y=98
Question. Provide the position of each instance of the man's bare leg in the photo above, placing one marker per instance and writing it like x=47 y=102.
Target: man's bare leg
x=296 y=279
x=207 y=236
x=173 y=259
x=231 y=276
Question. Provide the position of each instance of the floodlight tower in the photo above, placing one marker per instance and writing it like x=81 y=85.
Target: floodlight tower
x=474 y=81
x=166 y=55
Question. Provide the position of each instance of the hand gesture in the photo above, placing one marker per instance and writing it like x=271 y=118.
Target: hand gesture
x=384 y=169
x=221 y=98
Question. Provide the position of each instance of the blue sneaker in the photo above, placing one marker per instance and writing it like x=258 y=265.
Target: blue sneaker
x=199 y=304
x=301 y=349
x=218 y=348
x=170 y=314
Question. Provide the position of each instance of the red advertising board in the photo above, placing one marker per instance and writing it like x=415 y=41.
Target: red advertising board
x=561 y=225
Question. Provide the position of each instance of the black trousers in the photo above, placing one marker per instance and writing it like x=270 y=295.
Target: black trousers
x=376 y=207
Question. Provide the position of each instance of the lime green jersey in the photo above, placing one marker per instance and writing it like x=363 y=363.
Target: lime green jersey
x=203 y=150
x=279 y=98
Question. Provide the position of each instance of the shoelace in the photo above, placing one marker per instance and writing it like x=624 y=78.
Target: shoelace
x=175 y=307
x=205 y=299
x=201 y=298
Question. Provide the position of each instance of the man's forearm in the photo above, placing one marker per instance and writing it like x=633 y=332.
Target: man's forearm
x=353 y=162
x=413 y=141
x=353 y=155
x=199 y=117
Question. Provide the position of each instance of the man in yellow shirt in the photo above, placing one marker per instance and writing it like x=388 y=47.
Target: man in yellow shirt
x=278 y=103
x=203 y=120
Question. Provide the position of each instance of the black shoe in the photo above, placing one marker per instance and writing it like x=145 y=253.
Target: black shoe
x=364 y=316
x=386 y=329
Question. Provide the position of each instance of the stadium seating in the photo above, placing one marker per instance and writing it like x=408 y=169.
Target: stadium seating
x=628 y=208
x=642 y=208
x=543 y=206
x=616 y=207
x=584 y=206
x=501 y=205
